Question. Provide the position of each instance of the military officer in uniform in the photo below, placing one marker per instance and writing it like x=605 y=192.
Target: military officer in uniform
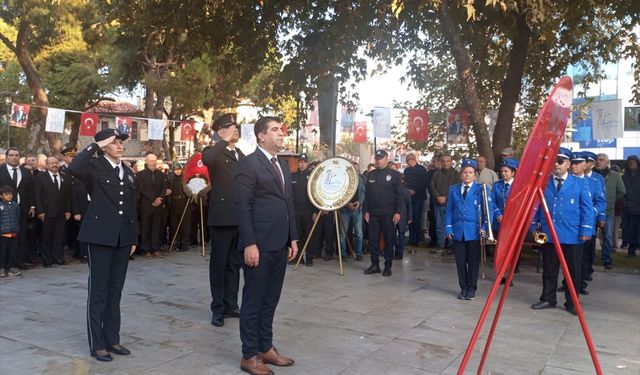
x=570 y=206
x=464 y=224
x=110 y=232
x=225 y=262
x=305 y=211
x=72 y=227
x=383 y=198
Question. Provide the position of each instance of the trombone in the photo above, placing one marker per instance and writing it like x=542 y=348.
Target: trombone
x=487 y=239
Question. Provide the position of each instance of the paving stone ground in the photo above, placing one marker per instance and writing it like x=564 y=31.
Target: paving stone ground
x=409 y=323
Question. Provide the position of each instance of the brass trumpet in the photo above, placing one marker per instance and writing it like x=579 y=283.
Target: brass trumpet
x=490 y=239
x=540 y=237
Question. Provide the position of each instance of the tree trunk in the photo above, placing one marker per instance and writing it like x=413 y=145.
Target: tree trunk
x=153 y=109
x=467 y=81
x=511 y=86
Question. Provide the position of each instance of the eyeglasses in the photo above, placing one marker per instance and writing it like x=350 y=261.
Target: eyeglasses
x=560 y=160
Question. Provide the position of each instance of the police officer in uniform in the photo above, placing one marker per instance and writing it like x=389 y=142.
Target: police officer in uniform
x=464 y=224
x=305 y=211
x=221 y=160
x=111 y=233
x=571 y=208
x=383 y=198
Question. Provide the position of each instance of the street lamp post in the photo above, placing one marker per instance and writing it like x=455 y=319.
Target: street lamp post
x=7 y=97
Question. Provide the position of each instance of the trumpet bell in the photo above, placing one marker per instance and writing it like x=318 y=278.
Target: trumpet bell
x=540 y=237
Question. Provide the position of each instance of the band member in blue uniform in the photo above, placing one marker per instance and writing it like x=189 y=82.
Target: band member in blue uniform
x=601 y=218
x=110 y=232
x=570 y=206
x=464 y=224
x=578 y=168
x=500 y=194
x=381 y=208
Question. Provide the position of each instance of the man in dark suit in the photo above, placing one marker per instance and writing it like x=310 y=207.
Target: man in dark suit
x=224 y=265
x=110 y=231
x=268 y=237
x=72 y=225
x=152 y=185
x=20 y=179
x=52 y=192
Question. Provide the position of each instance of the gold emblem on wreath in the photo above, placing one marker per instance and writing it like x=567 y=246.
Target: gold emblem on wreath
x=332 y=184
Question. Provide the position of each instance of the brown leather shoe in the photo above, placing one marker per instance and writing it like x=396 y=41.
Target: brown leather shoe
x=274 y=357
x=255 y=366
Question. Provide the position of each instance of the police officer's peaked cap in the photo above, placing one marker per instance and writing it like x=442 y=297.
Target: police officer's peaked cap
x=106 y=133
x=565 y=153
x=69 y=150
x=303 y=157
x=510 y=163
x=589 y=156
x=224 y=121
x=469 y=163
x=578 y=156
x=381 y=154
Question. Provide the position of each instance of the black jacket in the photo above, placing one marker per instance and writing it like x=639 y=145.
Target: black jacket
x=632 y=184
x=221 y=164
x=111 y=218
x=151 y=185
x=25 y=189
x=51 y=200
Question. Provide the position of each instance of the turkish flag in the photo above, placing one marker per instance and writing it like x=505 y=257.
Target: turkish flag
x=187 y=129
x=360 y=132
x=418 y=125
x=195 y=167
x=285 y=130
x=88 y=124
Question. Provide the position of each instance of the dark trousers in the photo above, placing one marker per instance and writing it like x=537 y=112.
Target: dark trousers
x=304 y=222
x=151 y=228
x=107 y=272
x=588 y=256
x=224 y=269
x=325 y=232
x=184 y=231
x=33 y=244
x=415 y=227
x=432 y=225
x=8 y=247
x=381 y=224
x=631 y=230
x=467 y=255
x=52 y=239
x=260 y=296
x=73 y=227
x=24 y=252
x=551 y=267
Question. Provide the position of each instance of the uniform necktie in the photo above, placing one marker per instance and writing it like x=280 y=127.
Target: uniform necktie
x=55 y=181
x=464 y=193
x=506 y=186
x=117 y=168
x=274 y=164
x=559 y=185
x=14 y=176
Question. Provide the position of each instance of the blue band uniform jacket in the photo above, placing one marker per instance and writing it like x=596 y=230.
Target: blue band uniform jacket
x=111 y=217
x=500 y=196
x=461 y=215
x=571 y=210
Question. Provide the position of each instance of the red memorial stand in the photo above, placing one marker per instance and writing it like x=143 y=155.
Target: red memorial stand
x=526 y=195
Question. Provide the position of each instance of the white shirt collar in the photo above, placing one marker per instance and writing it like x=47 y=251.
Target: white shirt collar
x=267 y=153
x=113 y=165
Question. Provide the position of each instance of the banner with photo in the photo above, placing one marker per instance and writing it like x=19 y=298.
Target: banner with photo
x=19 y=115
x=632 y=119
x=381 y=122
x=347 y=119
x=123 y=124
x=607 y=119
x=457 y=121
x=156 y=129
x=55 y=120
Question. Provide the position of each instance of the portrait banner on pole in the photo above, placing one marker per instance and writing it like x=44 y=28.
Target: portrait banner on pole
x=381 y=122
x=607 y=119
x=55 y=120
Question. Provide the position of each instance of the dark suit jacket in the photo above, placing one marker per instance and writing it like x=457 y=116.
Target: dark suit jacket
x=111 y=218
x=50 y=200
x=266 y=216
x=150 y=189
x=221 y=164
x=25 y=189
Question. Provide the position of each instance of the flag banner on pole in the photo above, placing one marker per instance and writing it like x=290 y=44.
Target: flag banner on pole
x=123 y=124
x=381 y=122
x=607 y=119
x=55 y=120
x=156 y=129
x=187 y=129
x=314 y=117
x=144 y=130
x=632 y=119
x=347 y=119
x=285 y=130
x=360 y=132
x=418 y=125
x=88 y=124
x=19 y=115
x=491 y=119
x=457 y=126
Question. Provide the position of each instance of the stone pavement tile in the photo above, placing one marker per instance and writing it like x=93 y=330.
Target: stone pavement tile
x=8 y=346
x=370 y=366
x=42 y=332
x=31 y=360
x=430 y=357
x=580 y=360
x=196 y=363
x=608 y=336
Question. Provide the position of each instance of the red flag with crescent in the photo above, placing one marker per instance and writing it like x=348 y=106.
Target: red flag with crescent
x=195 y=167
x=360 y=132
x=187 y=129
x=88 y=124
x=418 y=125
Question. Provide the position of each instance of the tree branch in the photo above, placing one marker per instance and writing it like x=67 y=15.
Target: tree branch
x=8 y=43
